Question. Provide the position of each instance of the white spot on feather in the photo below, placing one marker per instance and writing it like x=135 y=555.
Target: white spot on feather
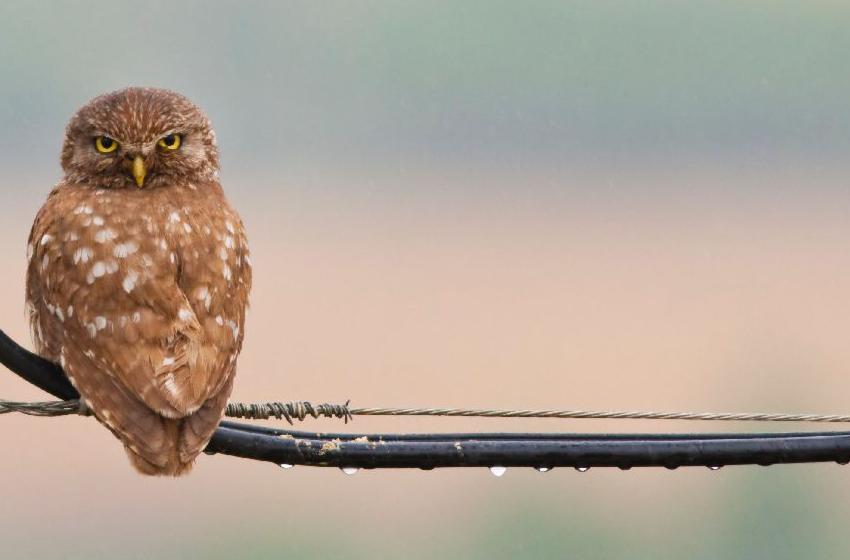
x=98 y=269
x=45 y=239
x=129 y=282
x=203 y=294
x=122 y=250
x=104 y=235
x=82 y=255
x=170 y=384
x=174 y=217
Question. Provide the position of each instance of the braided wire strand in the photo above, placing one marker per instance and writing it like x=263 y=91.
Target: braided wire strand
x=300 y=410
x=50 y=408
x=591 y=414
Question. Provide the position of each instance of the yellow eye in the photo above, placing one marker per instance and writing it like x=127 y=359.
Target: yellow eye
x=170 y=142
x=105 y=144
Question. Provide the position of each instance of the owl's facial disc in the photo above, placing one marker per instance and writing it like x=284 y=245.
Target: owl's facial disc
x=139 y=138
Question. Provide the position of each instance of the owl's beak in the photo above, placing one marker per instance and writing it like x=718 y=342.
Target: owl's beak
x=139 y=171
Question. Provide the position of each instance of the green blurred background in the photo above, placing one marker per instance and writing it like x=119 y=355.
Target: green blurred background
x=626 y=205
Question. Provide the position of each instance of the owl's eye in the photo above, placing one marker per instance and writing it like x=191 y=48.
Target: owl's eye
x=105 y=144
x=170 y=142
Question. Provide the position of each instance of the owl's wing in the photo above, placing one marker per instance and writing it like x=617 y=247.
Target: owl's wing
x=50 y=312
x=156 y=350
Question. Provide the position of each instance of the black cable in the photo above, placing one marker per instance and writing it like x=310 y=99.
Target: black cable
x=45 y=375
x=581 y=451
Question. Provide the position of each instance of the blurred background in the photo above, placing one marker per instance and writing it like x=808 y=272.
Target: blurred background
x=580 y=204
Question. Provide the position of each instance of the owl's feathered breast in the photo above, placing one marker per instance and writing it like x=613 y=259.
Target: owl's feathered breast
x=149 y=287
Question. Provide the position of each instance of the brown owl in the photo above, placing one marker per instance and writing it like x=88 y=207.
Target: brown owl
x=139 y=274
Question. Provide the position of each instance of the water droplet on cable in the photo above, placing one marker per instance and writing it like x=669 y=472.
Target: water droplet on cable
x=714 y=467
x=582 y=469
x=498 y=471
x=349 y=470
x=543 y=469
x=286 y=466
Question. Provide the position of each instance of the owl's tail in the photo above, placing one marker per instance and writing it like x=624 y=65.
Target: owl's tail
x=166 y=461
x=183 y=438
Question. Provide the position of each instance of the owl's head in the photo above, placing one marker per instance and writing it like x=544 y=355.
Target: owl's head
x=139 y=138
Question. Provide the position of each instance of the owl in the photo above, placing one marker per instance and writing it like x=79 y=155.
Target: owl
x=139 y=274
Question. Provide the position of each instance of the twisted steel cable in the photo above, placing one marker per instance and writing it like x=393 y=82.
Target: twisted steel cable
x=50 y=408
x=299 y=410
x=609 y=414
